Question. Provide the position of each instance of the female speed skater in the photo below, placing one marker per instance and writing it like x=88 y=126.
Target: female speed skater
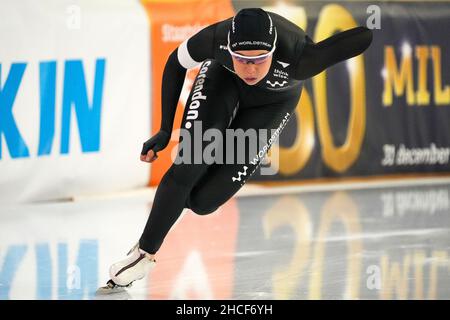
x=251 y=76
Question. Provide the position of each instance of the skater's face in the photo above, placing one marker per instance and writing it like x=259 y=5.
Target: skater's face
x=251 y=71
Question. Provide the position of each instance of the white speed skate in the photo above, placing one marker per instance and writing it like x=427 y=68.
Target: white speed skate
x=123 y=273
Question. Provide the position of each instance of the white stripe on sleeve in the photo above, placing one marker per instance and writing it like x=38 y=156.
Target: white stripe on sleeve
x=184 y=57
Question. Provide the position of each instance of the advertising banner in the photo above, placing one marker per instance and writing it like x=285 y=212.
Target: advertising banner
x=74 y=99
x=384 y=112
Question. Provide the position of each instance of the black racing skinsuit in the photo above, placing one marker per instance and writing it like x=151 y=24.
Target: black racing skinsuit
x=219 y=99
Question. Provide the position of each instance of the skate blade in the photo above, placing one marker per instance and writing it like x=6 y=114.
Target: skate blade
x=112 y=288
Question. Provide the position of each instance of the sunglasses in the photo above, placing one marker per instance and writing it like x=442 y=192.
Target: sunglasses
x=253 y=59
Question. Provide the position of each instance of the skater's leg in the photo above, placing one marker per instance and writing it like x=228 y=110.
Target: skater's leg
x=222 y=181
x=213 y=102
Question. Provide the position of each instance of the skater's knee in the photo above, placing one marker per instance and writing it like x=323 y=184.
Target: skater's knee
x=202 y=210
x=200 y=207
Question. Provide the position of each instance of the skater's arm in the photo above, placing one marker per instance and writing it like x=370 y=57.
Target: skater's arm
x=316 y=57
x=188 y=55
x=172 y=83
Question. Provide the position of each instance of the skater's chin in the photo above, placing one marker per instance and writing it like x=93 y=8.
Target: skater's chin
x=251 y=80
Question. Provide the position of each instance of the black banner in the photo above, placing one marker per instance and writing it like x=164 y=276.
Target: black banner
x=384 y=112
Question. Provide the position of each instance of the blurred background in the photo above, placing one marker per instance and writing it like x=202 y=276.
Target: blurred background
x=357 y=203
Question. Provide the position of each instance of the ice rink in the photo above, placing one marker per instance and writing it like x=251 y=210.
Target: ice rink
x=344 y=242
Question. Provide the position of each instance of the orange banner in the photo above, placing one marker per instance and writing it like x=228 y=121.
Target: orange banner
x=171 y=22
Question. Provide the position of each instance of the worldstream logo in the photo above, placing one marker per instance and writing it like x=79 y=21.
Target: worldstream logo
x=74 y=94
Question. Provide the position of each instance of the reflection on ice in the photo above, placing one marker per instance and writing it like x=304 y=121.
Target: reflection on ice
x=386 y=243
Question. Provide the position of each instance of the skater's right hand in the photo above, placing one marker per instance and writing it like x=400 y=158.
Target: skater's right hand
x=149 y=157
x=156 y=143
